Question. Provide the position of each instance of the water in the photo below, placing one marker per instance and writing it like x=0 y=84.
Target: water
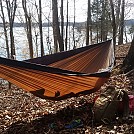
x=21 y=44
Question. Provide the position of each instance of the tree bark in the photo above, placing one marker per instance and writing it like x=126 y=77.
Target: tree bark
x=66 y=29
x=113 y=22
x=88 y=28
x=40 y=28
x=11 y=9
x=74 y=28
x=128 y=63
x=28 y=28
x=56 y=29
x=118 y=13
x=104 y=21
x=62 y=26
x=121 y=28
x=5 y=29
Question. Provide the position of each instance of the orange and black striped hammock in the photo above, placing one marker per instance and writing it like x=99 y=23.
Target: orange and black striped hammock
x=62 y=75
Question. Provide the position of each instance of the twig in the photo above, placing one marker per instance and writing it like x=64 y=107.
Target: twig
x=131 y=71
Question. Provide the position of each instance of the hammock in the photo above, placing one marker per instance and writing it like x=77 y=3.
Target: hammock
x=62 y=75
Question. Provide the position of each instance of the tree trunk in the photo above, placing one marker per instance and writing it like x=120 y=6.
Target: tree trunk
x=62 y=26
x=28 y=28
x=5 y=29
x=97 y=24
x=128 y=63
x=40 y=28
x=121 y=28
x=12 y=43
x=11 y=9
x=113 y=22
x=88 y=28
x=30 y=37
x=118 y=13
x=126 y=39
x=66 y=29
x=104 y=21
x=74 y=28
x=56 y=29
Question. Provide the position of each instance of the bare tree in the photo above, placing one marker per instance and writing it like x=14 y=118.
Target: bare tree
x=128 y=63
x=113 y=22
x=104 y=20
x=5 y=29
x=117 y=19
x=11 y=10
x=40 y=28
x=74 y=27
x=66 y=28
x=101 y=20
x=118 y=12
x=28 y=27
x=97 y=26
x=121 y=28
x=62 y=25
x=56 y=29
x=88 y=28
x=48 y=33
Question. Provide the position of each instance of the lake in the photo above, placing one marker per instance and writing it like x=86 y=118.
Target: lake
x=21 y=44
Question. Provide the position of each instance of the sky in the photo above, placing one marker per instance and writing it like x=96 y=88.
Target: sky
x=81 y=9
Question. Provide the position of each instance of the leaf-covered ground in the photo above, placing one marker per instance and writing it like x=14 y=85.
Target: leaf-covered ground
x=23 y=113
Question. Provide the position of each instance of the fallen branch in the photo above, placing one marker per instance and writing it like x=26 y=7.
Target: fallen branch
x=131 y=71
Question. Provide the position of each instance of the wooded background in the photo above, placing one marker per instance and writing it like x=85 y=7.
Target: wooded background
x=105 y=20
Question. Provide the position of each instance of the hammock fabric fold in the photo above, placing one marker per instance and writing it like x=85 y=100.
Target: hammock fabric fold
x=62 y=75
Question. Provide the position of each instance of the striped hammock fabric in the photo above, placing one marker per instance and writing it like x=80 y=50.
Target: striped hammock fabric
x=62 y=75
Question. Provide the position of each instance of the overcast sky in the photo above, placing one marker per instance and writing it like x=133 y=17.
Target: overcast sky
x=81 y=9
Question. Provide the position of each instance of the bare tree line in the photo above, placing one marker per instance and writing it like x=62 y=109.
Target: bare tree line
x=105 y=19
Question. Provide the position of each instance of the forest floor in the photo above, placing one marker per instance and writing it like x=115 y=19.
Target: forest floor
x=23 y=113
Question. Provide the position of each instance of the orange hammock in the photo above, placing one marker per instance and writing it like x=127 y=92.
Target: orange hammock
x=61 y=75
